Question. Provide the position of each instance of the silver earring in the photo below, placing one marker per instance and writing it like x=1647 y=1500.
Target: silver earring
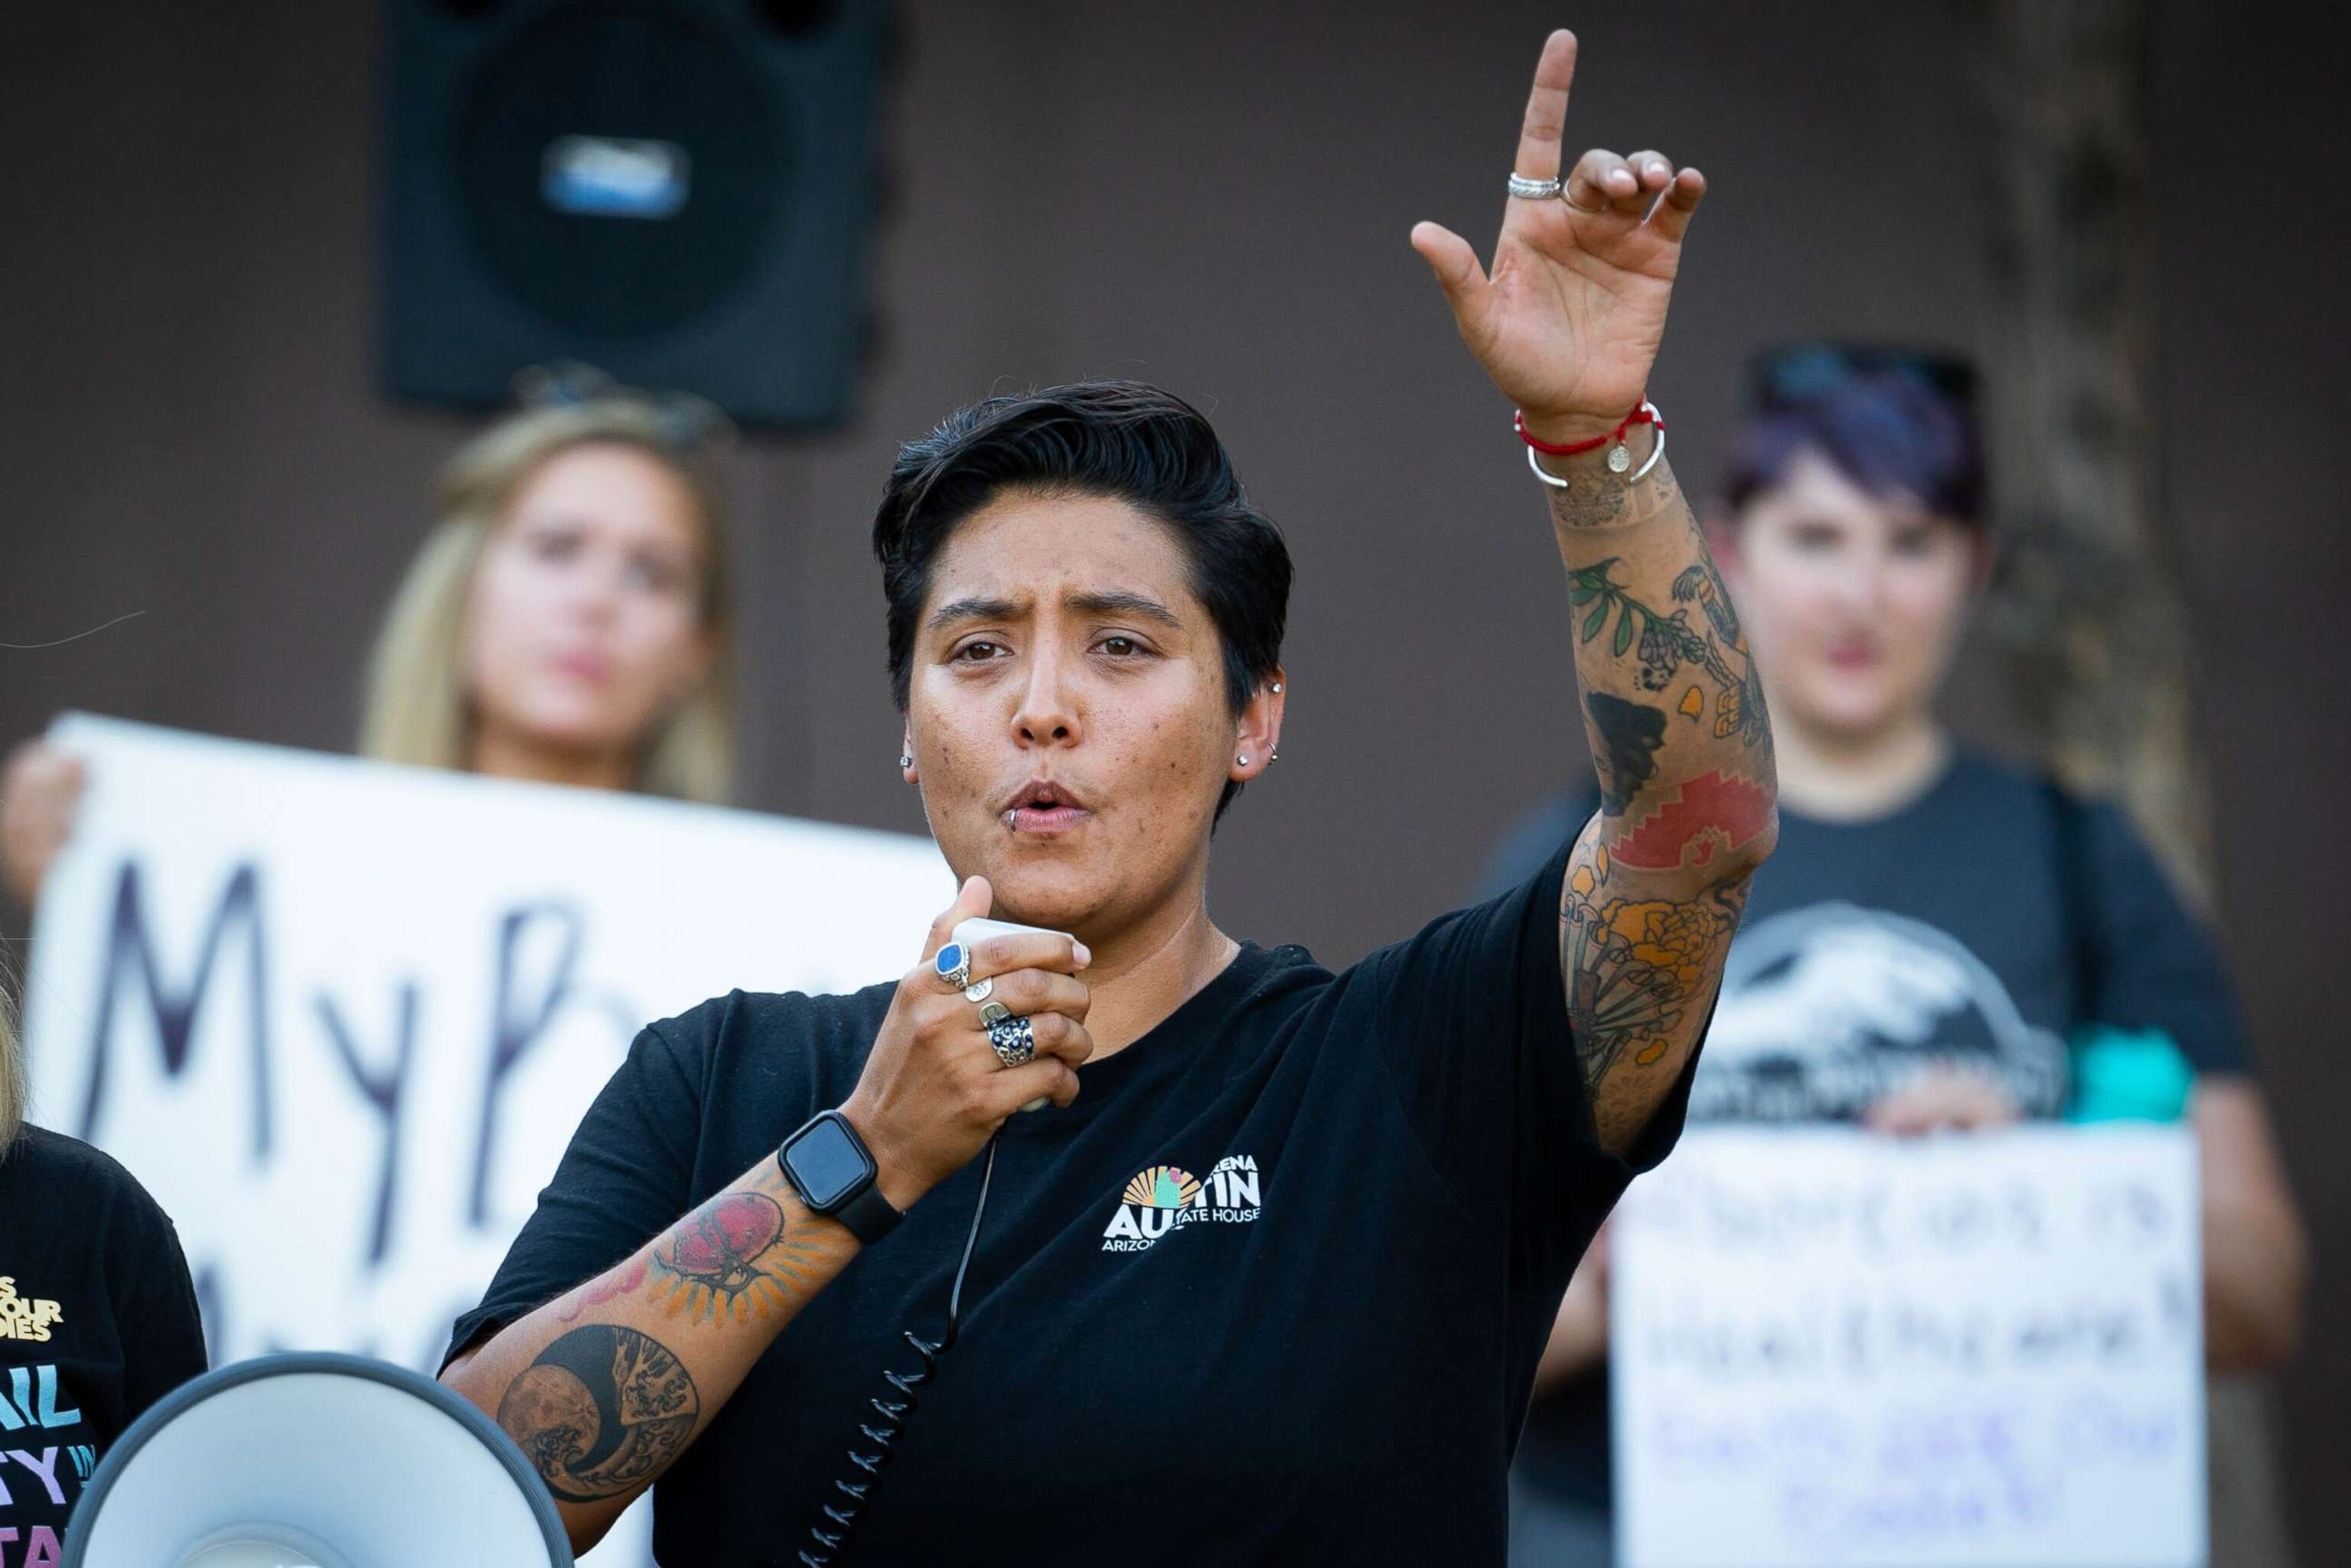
x=1277 y=688
x=906 y=760
x=1245 y=759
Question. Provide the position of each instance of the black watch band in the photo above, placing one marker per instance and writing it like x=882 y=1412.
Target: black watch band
x=834 y=1174
x=868 y=1215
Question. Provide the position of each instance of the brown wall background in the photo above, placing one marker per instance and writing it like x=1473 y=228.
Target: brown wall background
x=1215 y=196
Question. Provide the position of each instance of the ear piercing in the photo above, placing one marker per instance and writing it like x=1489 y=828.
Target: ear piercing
x=1277 y=688
x=906 y=760
x=1244 y=759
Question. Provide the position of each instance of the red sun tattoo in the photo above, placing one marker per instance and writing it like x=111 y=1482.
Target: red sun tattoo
x=729 y=1255
x=1712 y=813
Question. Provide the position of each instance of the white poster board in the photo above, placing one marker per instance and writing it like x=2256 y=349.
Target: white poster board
x=340 y=1018
x=1833 y=1349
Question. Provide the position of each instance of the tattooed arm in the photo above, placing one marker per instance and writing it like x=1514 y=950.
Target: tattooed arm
x=1680 y=742
x=1567 y=323
x=603 y=1388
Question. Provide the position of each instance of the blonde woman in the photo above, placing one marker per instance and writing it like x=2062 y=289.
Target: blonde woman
x=97 y=1316
x=569 y=619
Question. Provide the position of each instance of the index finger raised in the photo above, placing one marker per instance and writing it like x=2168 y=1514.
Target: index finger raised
x=1538 y=156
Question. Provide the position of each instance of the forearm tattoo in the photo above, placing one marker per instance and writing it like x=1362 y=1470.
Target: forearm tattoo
x=732 y=1256
x=1634 y=966
x=1671 y=652
x=601 y=1410
x=1594 y=497
x=1683 y=749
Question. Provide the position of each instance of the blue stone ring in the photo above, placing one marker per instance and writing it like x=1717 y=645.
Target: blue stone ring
x=954 y=964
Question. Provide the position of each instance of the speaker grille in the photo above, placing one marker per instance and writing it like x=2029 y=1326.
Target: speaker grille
x=620 y=170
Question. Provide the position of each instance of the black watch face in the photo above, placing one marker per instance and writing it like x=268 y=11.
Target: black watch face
x=828 y=1164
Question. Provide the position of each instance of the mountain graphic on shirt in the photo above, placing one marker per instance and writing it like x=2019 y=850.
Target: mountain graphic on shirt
x=1827 y=1007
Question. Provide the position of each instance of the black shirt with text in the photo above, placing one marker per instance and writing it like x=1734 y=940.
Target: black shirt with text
x=98 y=1321
x=1273 y=1288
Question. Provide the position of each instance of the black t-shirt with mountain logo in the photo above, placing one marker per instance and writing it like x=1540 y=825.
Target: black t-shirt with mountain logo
x=1272 y=1289
x=98 y=1321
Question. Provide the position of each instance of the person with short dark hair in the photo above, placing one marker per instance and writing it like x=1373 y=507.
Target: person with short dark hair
x=1264 y=1275
x=1941 y=941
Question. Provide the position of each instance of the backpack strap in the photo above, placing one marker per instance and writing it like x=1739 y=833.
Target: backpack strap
x=2069 y=842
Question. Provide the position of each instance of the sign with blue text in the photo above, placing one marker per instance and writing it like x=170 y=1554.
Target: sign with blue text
x=1829 y=1348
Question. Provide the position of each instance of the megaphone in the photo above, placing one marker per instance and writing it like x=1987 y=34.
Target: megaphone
x=314 y=1460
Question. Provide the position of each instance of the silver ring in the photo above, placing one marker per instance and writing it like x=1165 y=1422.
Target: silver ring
x=979 y=991
x=1533 y=189
x=1014 y=1041
x=953 y=965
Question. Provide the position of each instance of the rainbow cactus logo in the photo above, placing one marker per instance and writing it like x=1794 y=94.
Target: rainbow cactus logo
x=1162 y=1199
x=1163 y=1186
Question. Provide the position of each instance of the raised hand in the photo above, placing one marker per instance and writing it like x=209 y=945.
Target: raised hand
x=1568 y=321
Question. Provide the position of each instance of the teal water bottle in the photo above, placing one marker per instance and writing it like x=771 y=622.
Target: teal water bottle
x=2127 y=1075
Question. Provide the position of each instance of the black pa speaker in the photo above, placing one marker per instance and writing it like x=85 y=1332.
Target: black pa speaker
x=675 y=191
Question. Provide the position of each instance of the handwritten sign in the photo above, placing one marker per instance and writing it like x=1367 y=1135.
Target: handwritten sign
x=341 y=1018
x=1833 y=1349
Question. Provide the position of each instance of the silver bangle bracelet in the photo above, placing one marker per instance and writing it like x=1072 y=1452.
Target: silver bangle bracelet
x=1657 y=427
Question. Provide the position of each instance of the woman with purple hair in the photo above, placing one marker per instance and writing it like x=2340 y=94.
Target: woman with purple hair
x=1941 y=941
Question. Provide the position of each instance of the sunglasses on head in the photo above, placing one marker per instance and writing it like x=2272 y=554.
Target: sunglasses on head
x=1801 y=373
x=687 y=424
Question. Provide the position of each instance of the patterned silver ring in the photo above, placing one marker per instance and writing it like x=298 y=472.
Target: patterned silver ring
x=1533 y=189
x=993 y=1013
x=979 y=990
x=1014 y=1041
x=953 y=965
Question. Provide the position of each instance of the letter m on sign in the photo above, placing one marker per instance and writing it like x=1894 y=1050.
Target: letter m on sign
x=131 y=959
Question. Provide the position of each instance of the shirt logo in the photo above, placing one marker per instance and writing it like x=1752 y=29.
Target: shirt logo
x=1163 y=1197
x=1827 y=1007
x=26 y=1317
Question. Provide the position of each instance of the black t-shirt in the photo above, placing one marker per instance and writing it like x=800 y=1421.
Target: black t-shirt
x=1272 y=1287
x=1981 y=922
x=98 y=1321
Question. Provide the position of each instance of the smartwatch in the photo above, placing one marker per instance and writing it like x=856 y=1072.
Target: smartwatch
x=828 y=1164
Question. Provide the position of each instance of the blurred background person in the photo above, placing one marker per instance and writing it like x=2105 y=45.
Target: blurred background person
x=98 y=1315
x=569 y=619
x=1942 y=941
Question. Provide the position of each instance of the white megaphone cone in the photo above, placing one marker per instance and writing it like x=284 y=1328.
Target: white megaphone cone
x=314 y=1460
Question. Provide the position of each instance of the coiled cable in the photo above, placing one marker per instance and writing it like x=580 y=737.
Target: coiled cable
x=838 y=1514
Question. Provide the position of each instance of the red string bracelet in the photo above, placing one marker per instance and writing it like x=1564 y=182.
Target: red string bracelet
x=1642 y=414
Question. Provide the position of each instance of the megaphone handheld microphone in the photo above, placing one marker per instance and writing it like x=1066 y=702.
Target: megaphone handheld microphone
x=838 y=1514
x=314 y=1460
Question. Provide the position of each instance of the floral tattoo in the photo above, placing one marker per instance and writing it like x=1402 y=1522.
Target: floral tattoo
x=1665 y=645
x=1634 y=966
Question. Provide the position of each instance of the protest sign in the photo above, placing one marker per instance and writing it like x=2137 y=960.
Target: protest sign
x=1829 y=1348
x=340 y=1018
